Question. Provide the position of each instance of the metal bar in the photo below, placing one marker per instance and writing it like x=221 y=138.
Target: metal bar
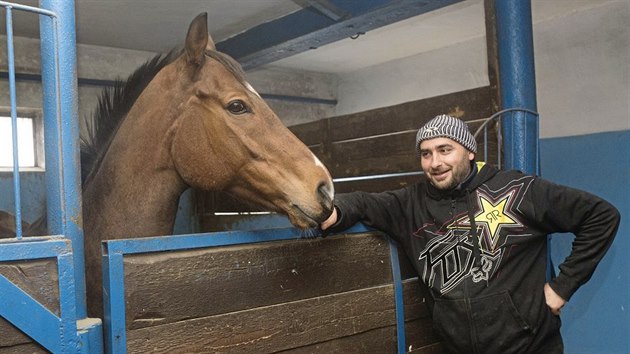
x=14 y=135
x=67 y=308
x=485 y=143
x=33 y=248
x=90 y=331
x=30 y=316
x=190 y=241
x=387 y=175
x=115 y=332
x=517 y=83
x=61 y=110
x=398 y=297
x=28 y=8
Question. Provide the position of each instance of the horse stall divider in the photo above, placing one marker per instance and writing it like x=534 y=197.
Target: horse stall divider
x=41 y=277
x=115 y=252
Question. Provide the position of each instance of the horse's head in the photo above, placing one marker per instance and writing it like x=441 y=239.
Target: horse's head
x=227 y=138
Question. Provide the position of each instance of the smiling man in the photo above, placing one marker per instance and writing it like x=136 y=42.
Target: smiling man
x=477 y=237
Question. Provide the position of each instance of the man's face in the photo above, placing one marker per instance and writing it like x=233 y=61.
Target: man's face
x=445 y=162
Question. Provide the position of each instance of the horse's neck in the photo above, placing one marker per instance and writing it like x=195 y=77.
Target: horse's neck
x=140 y=206
x=135 y=191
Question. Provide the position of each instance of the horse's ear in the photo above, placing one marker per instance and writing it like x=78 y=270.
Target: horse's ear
x=197 y=39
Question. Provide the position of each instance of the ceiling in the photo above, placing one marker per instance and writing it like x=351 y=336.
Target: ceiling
x=316 y=35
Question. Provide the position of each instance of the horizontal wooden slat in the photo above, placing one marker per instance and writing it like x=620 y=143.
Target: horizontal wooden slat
x=272 y=328
x=29 y=348
x=467 y=105
x=310 y=133
x=358 y=321
x=434 y=348
x=376 y=184
x=172 y=286
x=377 y=155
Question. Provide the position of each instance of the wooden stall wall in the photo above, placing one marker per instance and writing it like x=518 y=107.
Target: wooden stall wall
x=300 y=296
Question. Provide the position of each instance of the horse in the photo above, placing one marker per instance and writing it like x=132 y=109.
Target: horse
x=189 y=119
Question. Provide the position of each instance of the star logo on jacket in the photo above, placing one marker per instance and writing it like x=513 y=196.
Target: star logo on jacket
x=493 y=215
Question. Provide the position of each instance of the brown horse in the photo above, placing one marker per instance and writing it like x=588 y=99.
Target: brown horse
x=199 y=124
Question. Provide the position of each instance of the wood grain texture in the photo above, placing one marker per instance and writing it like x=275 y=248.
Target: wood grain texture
x=274 y=328
x=174 y=286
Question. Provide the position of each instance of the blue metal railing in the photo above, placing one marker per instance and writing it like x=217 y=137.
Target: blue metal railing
x=9 y=7
x=69 y=331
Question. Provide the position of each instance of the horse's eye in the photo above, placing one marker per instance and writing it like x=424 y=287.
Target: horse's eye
x=237 y=107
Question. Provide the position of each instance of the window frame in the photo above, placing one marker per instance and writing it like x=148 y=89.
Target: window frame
x=37 y=117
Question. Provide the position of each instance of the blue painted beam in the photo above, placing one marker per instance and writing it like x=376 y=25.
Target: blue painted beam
x=313 y=27
x=517 y=83
x=61 y=136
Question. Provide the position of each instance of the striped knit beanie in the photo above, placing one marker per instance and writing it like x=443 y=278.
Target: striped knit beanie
x=448 y=127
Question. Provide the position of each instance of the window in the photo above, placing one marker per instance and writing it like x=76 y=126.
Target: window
x=30 y=140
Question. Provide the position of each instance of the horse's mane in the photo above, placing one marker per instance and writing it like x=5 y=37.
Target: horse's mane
x=116 y=101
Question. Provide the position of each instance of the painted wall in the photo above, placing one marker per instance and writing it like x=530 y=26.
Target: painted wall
x=597 y=319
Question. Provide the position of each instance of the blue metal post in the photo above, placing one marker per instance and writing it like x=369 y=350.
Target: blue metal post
x=62 y=134
x=517 y=84
x=14 y=135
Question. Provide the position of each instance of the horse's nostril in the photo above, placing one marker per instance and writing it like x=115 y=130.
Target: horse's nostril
x=326 y=193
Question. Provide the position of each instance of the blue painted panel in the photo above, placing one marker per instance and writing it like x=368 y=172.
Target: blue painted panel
x=597 y=319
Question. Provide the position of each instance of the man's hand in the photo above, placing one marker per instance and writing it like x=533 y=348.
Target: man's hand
x=332 y=219
x=554 y=301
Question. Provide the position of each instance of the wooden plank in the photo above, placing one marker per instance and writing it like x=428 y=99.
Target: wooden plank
x=376 y=184
x=310 y=133
x=378 y=340
x=38 y=278
x=272 y=328
x=374 y=155
x=391 y=153
x=467 y=105
x=352 y=322
x=29 y=348
x=434 y=348
x=172 y=286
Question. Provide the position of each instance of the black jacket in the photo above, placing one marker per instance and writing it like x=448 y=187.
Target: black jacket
x=481 y=250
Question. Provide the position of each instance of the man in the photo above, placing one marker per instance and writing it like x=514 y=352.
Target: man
x=477 y=237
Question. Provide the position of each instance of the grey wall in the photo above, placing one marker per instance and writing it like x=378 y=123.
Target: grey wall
x=109 y=63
